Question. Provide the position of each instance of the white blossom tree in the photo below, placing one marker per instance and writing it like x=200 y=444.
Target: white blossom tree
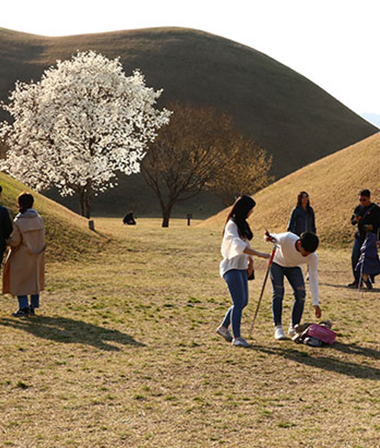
x=79 y=126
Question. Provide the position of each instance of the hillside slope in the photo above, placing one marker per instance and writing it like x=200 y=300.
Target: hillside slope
x=67 y=234
x=333 y=184
x=287 y=114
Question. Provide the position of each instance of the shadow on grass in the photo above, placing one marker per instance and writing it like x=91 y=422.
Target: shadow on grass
x=70 y=331
x=349 y=368
x=355 y=290
x=354 y=349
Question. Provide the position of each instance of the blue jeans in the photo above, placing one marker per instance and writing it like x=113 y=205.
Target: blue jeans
x=237 y=282
x=34 y=301
x=355 y=255
x=295 y=278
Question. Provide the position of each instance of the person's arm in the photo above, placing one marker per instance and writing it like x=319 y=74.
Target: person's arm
x=313 y=227
x=314 y=285
x=275 y=238
x=292 y=221
x=8 y=226
x=233 y=245
x=15 y=238
x=250 y=251
x=377 y=224
x=355 y=218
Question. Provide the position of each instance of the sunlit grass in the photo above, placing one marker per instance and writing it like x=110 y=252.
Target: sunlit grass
x=123 y=352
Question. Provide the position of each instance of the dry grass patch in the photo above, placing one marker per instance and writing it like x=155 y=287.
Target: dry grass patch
x=124 y=353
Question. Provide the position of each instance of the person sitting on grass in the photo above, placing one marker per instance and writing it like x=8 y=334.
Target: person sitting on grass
x=237 y=266
x=292 y=251
x=24 y=269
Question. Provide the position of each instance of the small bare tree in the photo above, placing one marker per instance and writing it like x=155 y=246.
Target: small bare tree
x=198 y=147
x=248 y=171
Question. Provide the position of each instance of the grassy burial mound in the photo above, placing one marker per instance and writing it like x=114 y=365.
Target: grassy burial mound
x=287 y=114
x=68 y=236
x=333 y=184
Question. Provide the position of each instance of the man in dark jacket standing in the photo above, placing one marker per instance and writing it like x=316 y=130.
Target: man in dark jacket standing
x=367 y=217
x=5 y=228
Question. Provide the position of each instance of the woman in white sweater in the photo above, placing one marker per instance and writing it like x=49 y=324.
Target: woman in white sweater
x=237 y=266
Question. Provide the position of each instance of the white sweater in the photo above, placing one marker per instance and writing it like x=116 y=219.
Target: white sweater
x=232 y=249
x=288 y=256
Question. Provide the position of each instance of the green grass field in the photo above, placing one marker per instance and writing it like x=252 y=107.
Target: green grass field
x=123 y=353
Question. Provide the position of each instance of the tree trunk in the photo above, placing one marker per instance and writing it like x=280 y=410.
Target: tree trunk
x=81 y=202
x=88 y=204
x=166 y=212
x=85 y=201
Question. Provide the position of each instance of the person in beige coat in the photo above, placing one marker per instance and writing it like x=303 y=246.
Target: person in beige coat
x=24 y=269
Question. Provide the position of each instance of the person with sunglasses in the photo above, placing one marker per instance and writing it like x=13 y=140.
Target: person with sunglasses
x=366 y=217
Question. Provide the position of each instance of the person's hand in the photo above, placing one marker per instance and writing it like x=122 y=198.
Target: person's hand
x=318 y=311
x=268 y=237
x=357 y=218
x=265 y=256
x=251 y=267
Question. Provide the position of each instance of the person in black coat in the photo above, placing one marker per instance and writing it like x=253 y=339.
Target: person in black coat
x=367 y=217
x=5 y=227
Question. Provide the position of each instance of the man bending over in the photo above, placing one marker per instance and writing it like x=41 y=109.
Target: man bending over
x=291 y=252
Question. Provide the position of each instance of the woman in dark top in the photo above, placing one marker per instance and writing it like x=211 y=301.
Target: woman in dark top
x=302 y=218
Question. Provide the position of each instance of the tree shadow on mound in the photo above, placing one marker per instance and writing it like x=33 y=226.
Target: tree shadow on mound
x=70 y=331
x=348 y=368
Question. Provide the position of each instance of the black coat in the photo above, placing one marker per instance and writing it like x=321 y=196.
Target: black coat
x=5 y=227
x=369 y=222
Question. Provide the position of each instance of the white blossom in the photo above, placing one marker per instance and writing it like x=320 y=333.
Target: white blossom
x=84 y=121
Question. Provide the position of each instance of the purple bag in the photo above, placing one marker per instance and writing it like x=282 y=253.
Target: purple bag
x=323 y=333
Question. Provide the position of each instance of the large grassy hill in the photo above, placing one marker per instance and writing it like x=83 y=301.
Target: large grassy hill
x=333 y=184
x=67 y=234
x=290 y=116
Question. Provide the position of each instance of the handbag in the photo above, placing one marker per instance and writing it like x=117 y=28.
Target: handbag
x=252 y=276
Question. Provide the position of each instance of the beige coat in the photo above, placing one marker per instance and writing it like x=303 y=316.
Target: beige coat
x=24 y=270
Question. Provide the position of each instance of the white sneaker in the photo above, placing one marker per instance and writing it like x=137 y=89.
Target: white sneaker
x=241 y=342
x=279 y=334
x=224 y=333
x=291 y=331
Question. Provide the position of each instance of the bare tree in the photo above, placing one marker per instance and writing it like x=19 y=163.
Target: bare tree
x=190 y=154
x=247 y=173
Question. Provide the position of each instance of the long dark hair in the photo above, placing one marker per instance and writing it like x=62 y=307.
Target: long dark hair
x=25 y=201
x=239 y=213
x=299 y=200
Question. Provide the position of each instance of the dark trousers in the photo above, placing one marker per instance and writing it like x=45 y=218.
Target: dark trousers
x=355 y=255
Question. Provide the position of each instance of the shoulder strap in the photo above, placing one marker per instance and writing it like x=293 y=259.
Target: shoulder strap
x=369 y=209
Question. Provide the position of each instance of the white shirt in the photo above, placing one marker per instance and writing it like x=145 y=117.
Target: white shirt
x=233 y=249
x=288 y=256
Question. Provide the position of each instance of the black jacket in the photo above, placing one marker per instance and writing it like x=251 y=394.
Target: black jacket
x=369 y=222
x=5 y=227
